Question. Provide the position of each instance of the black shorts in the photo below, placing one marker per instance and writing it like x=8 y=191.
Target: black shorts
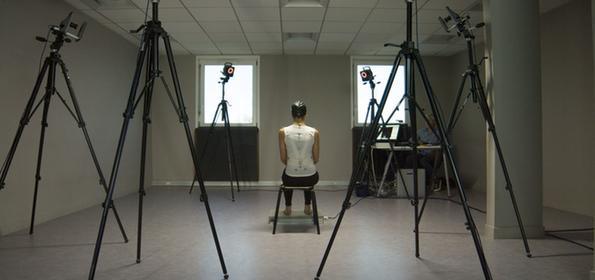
x=307 y=181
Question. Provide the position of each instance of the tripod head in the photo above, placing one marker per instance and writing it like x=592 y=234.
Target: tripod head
x=461 y=23
x=63 y=34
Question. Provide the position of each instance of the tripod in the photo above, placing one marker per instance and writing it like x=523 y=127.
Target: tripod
x=50 y=65
x=412 y=58
x=478 y=96
x=149 y=51
x=231 y=159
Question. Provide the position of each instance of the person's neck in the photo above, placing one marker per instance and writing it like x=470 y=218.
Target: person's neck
x=299 y=122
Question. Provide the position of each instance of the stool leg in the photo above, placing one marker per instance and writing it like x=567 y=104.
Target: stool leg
x=315 y=206
x=277 y=210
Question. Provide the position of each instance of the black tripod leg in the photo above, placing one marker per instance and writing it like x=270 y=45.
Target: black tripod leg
x=23 y=122
x=184 y=120
x=470 y=225
x=455 y=108
x=49 y=90
x=228 y=151
x=492 y=128
x=231 y=153
x=152 y=63
x=128 y=114
x=412 y=103
x=209 y=134
x=359 y=168
x=83 y=126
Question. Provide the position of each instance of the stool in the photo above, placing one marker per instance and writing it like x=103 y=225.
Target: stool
x=282 y=188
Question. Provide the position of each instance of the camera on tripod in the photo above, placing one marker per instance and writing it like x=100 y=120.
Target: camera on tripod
x=61 y=31
x=366 y=74
x=461 y=23
x=228 y=71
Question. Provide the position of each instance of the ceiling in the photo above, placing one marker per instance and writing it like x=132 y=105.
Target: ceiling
x=244 y=27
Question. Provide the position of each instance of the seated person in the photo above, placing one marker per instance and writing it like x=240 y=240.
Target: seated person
x=299 y=150
x=426 y=158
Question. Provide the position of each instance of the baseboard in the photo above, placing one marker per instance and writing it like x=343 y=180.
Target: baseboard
x=513 y=232
x=247 y=184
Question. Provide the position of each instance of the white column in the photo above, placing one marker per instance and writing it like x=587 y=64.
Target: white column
x=513 y=83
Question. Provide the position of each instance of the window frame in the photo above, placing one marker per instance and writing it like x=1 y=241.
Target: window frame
x=368 y=60
x=201 y=61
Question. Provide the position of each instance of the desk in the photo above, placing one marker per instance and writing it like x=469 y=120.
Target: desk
x=386 y=146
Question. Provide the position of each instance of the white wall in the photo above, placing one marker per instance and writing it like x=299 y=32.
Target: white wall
x=568 y=112
x=100 y=66
x=323 y=82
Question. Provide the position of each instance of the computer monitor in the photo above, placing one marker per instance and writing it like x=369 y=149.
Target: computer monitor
x=390 y=132
x=397 y=133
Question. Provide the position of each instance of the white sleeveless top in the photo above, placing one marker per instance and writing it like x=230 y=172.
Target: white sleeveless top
x=299 y=140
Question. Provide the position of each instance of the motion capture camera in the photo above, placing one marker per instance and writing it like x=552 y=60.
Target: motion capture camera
x=460 y=23
x=228 y=69
x=63 y=31
x=366 y=74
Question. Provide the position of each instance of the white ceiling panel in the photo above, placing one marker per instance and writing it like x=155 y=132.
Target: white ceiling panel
x=388 y=15
x=263 y=37
x=266 y=45
x=182 y=27
x=366 y=46
x=201 y=48
x=221 y=26
x=191 y=37
x=347 y=14
x=341 y=26
x=372 y=38
x=336 y=37
x=206 y=3
x=228 y=37
x=425 y=28
x=336 y=46
x=176 y=49
x=301 y=26
x=453 y=4
x=162 y=4
x=261 y=26
x=78 y=4
x=96 y=16
x=353 y=3
x=399 y=4
x=258 y=13
x=129 y=26
x=305 y=45
x=123 y=15
x=236 y=51
x=381 y=27
x=255 y=3
x=213 y=14
x=174 y=15
x=430 y=16
x=233 y=46
x=302 y=13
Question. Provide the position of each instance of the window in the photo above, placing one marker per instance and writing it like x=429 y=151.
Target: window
x=241 y=91
x=381 y=68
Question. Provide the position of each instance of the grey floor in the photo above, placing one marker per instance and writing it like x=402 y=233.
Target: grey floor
x=375 y=242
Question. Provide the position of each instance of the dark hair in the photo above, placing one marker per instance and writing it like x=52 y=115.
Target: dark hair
x=298 y=109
